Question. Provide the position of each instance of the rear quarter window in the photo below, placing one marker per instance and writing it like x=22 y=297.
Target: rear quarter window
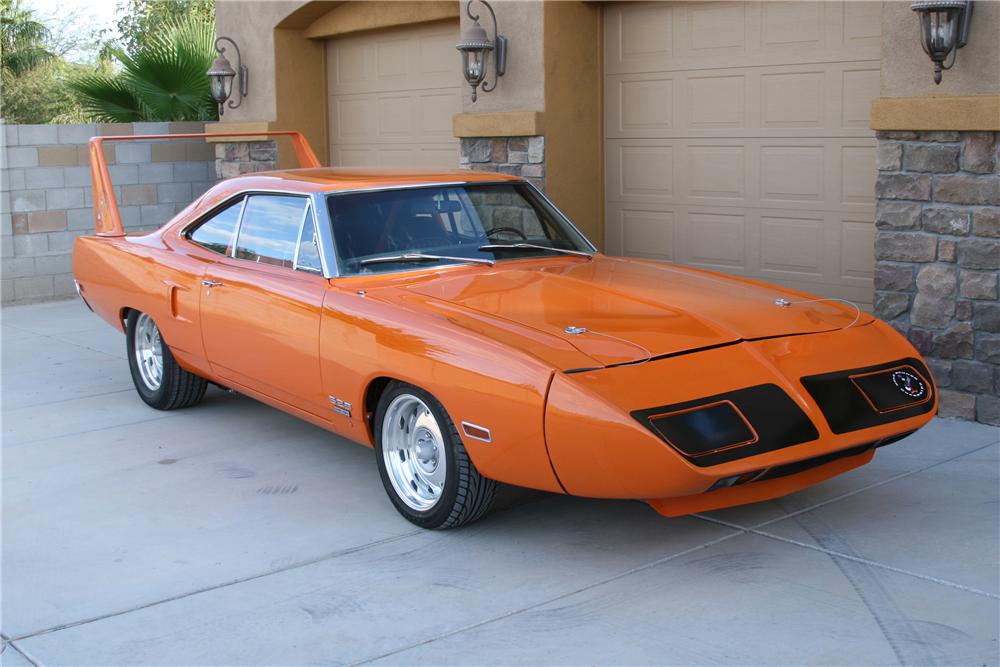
x=216 y=233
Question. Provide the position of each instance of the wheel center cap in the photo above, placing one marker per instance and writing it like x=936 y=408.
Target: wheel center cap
x=426 y=450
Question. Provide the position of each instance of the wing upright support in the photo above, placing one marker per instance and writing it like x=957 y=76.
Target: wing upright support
x=108 y=220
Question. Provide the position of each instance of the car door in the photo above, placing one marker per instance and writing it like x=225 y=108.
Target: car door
x=181 y=324
x=261 y=303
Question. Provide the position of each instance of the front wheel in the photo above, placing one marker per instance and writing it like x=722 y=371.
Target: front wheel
x=158 y=378
x=423 y=464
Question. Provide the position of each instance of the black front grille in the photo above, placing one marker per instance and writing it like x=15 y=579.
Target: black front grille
x=864 y=397
x=704 y=430
x=776 y=420
x=807 y=464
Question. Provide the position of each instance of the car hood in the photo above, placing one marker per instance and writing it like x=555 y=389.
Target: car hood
x=632 y=309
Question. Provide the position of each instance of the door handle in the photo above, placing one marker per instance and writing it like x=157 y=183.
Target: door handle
x=210 y=283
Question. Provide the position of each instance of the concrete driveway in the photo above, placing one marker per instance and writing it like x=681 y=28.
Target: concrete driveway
x=231 y=533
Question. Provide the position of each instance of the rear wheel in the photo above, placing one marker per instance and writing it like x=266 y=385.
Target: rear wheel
x=423 y=464
x=158 y=378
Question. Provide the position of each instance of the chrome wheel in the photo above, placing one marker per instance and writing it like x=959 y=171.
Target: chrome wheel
x=148 y=352
x=414 y=452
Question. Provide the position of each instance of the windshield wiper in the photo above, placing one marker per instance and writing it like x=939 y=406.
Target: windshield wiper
x=532 y=246
x=421 y=257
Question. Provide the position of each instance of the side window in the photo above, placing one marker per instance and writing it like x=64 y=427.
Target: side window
x=216 y=233
x=270 y=229
x=308 y=258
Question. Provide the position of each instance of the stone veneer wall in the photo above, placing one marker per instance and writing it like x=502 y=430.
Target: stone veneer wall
x=244 y=157
x=46 y=197
x=937 y=259
x=519 y=156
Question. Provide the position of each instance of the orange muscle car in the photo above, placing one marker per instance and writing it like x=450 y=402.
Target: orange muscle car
x=459 y=324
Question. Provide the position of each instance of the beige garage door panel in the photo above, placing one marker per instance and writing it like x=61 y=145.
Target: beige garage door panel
x=823 y=174
x=777 y=100
x=392 y=97
x=671 y=36
x=737 y=138
x=430 y=156
x=811 y=251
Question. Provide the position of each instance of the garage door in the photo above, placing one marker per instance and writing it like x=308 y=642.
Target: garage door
x=737 y=139
x=392 y=97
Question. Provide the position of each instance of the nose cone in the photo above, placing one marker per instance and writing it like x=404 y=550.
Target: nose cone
x=599 y=451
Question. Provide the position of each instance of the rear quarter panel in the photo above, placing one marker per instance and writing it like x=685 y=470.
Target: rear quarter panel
x=119 y=273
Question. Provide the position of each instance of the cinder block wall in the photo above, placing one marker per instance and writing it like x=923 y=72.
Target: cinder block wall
x=47 y=198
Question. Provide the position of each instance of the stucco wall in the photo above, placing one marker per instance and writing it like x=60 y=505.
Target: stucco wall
x=251 y=26
x=908 y=72
x=573 y=113
x=522 y=88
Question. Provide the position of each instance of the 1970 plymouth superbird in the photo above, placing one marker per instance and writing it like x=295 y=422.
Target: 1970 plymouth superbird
x=458 y=323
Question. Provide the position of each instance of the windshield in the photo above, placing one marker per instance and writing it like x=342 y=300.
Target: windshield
x=393 y=230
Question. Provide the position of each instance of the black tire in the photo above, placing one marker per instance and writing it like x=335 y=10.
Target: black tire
x=177 y=388
x=466 y=495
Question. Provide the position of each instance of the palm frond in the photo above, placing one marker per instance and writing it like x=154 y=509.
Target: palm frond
x=108 y=99
x=166 y=76
x=23 y=40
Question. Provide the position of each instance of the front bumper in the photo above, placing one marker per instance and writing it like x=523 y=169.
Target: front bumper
x=602 y=444
x=766 y=489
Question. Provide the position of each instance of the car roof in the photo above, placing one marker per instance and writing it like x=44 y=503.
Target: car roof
x=334 y=179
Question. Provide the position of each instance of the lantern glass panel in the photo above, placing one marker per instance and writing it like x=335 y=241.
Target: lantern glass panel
x=221 y=86
x=939 y=31
x=474 y=65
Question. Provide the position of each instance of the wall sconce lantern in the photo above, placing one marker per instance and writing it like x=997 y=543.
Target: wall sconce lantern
x=944 y=29
x=476 y=46
x=221 y=75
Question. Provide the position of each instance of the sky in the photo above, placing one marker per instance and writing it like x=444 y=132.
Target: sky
x=80 y=18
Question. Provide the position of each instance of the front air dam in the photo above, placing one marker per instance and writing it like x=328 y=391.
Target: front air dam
x=754 y=492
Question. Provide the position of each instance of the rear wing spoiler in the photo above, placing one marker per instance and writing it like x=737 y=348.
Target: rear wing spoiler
x=107 y=219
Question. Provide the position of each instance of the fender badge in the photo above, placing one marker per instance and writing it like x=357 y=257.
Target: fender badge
x=909 y=384
x=340 y=406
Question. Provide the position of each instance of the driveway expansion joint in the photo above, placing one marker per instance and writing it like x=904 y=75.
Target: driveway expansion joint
x=755 y=529
x=856 y=559
x=550 y=600
x=871 y=486
x=11 y=645
x=206 y=589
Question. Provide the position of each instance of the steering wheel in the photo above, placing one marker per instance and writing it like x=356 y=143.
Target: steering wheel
x=506 y=230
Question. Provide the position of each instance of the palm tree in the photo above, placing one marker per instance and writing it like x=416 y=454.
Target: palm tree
x=162 y=80
x=22 y=39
